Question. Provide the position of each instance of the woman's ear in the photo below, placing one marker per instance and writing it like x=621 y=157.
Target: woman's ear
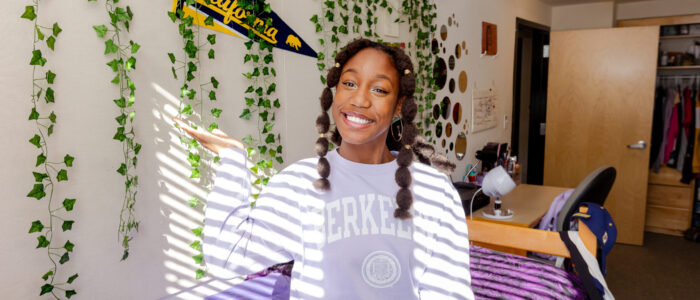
x=399 y=104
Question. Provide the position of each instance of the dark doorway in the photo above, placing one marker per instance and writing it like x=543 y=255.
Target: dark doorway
x=530 y=98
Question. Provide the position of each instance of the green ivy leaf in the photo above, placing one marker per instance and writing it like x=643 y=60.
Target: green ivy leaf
x=39 y=177
x=195 y=173
x=197 y=231
x=114 y=64
x=214 y=82
x=211 y=54
x=37 y=59
x=47 y=275
x=50 y=76
x=268 y=58
x=119 y=135
x=68 y=160
x=62 y=175
x=198 y=258
x=187 y=110
x=64 y=258
x=249 y=101
x=248 y=139
x=68 y=204
x=40 y=159
x=245 y=114
x=212 y=95
x=137 y=148
x=193 y=202
x=134 y=47
x=36 y=141
x=172 y=57
x=110 y=47
x=67 y=225
x=130 y=63
x=270 y=138
x=211 y=38
x=68 y=246
x=39 y=34
x=34 y=115
x=213 y=126
x=70 y=293
x=29 y=14
x=52 y=117
x=174 y=73
x=46 y=288
x=271 y=88
x=121 y=102
x=101 y=30
x=49 y=95
x=56 y=29
x=276 y=104
x=172 y=16
x=196 y=245
x=263 y=115
x=191 y=49
x=248 y=44
x=72 y=278
x=116 y=80
x=122 y=169
x=199 y=273
x=43 y=242
x=36 y=227
x=268 y=127
x=121 y=119
x=209 y=21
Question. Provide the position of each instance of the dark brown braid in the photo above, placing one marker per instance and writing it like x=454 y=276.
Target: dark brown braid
x=410 y=143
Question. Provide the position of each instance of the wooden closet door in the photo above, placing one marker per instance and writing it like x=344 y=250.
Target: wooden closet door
x=600 y=100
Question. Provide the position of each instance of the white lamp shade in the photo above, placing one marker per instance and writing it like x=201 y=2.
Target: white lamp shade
x=497 y=183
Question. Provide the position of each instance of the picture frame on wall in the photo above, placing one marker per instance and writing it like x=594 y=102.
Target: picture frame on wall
x=489 y=39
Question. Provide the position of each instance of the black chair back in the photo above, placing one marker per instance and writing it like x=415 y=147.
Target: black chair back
x=594 y=188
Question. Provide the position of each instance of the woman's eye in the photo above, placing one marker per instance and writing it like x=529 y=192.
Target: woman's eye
x=349 y=84
x=381 y=91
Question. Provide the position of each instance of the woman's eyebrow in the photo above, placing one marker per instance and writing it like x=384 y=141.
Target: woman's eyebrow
x=381 y=76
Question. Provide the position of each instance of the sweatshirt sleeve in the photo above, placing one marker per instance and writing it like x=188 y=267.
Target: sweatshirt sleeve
x=240 y=240
x=447 y=273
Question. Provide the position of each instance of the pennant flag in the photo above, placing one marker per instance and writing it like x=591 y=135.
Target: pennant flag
x=229 y=18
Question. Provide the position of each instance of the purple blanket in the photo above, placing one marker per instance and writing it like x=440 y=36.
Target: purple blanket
x=497 y=275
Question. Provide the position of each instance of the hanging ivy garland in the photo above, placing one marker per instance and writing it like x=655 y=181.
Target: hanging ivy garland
x=420 y=15
x=191 y=106
x=265 y=148
x=48 y=174
x=122 y=63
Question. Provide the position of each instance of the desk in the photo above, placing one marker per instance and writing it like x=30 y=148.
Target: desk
x=529 y=204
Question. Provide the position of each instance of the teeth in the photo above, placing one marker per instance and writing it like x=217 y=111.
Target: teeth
x=357 y=120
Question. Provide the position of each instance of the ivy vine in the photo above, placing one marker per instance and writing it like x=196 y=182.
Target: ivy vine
x=191 y=106
x=420 y=15
x=122 y=63
x=265 y=148
x=48 y=174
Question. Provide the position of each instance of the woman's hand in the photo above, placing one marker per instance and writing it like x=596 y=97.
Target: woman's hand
x=215 y=141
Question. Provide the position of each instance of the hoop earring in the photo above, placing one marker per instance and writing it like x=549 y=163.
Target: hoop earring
x=400 y=132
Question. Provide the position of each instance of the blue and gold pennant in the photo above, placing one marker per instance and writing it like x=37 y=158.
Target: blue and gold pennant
x=229 y=18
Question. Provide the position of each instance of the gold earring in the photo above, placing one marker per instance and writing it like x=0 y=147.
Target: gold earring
x=400 y=132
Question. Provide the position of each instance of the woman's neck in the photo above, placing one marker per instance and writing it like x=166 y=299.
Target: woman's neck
x=366 y=154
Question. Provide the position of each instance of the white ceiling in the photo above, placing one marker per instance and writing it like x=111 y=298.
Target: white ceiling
x=569 y=2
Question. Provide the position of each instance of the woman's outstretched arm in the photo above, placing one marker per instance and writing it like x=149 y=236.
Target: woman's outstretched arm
x=238 y=239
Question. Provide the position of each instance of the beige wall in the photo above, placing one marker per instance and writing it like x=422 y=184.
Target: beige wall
x=583 y=16
x=160 y=262
x=656 y=8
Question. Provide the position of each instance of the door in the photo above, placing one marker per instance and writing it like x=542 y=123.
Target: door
x=600 y=100
x=530 y=99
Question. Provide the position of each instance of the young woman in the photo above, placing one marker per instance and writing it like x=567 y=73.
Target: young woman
x=335 y=215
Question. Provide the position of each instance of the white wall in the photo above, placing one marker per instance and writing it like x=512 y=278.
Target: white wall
x=656 y=8
x=160 y=262
x=583 y=16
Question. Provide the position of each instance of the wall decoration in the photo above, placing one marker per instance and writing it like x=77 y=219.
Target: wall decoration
x=451 y=62
x=483 y=109
x=436 y=111
x=463 y=81
x=444 y=142
x=489 y=39
x=448 y=129
x=230 y=17
x=451 y=146
x=440 y=73
x=443 y=32
x=445 y=106
x=461 y=145
x=438 y=129
x=122 y=63
x=458 y=51
x=457 y=113
x=451 y=85
x=49 y=171
x=435 y=47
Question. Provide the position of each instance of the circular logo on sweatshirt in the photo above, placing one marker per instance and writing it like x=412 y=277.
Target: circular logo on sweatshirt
x=381 y=269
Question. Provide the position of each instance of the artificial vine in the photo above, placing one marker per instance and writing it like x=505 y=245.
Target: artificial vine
x=191 y=106
x=48 y=174
x=420 y=15
x=122 y=63
x=265 y=148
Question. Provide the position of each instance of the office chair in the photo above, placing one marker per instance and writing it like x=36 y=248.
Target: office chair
x=594 y=188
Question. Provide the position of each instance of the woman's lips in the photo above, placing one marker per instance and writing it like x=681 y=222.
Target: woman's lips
x=356 y=120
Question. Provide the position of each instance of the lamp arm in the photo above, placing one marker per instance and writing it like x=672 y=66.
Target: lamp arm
x=471 y=204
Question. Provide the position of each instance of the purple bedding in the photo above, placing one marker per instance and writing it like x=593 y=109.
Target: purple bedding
x=497 y=275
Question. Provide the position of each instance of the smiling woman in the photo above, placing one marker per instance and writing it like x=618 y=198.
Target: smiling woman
x=346 y=234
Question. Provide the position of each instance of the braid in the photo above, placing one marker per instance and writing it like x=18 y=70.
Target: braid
x=410 y=146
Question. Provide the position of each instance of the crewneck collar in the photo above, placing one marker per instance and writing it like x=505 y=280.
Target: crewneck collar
x=336 y=160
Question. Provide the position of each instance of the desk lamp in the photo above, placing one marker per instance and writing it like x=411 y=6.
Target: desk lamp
x=496 y=183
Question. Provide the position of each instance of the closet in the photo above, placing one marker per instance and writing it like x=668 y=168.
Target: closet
x=671 y=202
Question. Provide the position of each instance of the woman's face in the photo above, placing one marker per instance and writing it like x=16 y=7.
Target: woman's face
x=366 y=98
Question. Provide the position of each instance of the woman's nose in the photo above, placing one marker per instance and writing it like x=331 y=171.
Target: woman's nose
x=360 y=98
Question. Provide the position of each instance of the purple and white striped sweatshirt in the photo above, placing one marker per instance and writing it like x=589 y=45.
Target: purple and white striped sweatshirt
x=345 y=243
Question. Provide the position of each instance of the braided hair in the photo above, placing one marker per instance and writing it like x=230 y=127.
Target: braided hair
x=410 y=146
